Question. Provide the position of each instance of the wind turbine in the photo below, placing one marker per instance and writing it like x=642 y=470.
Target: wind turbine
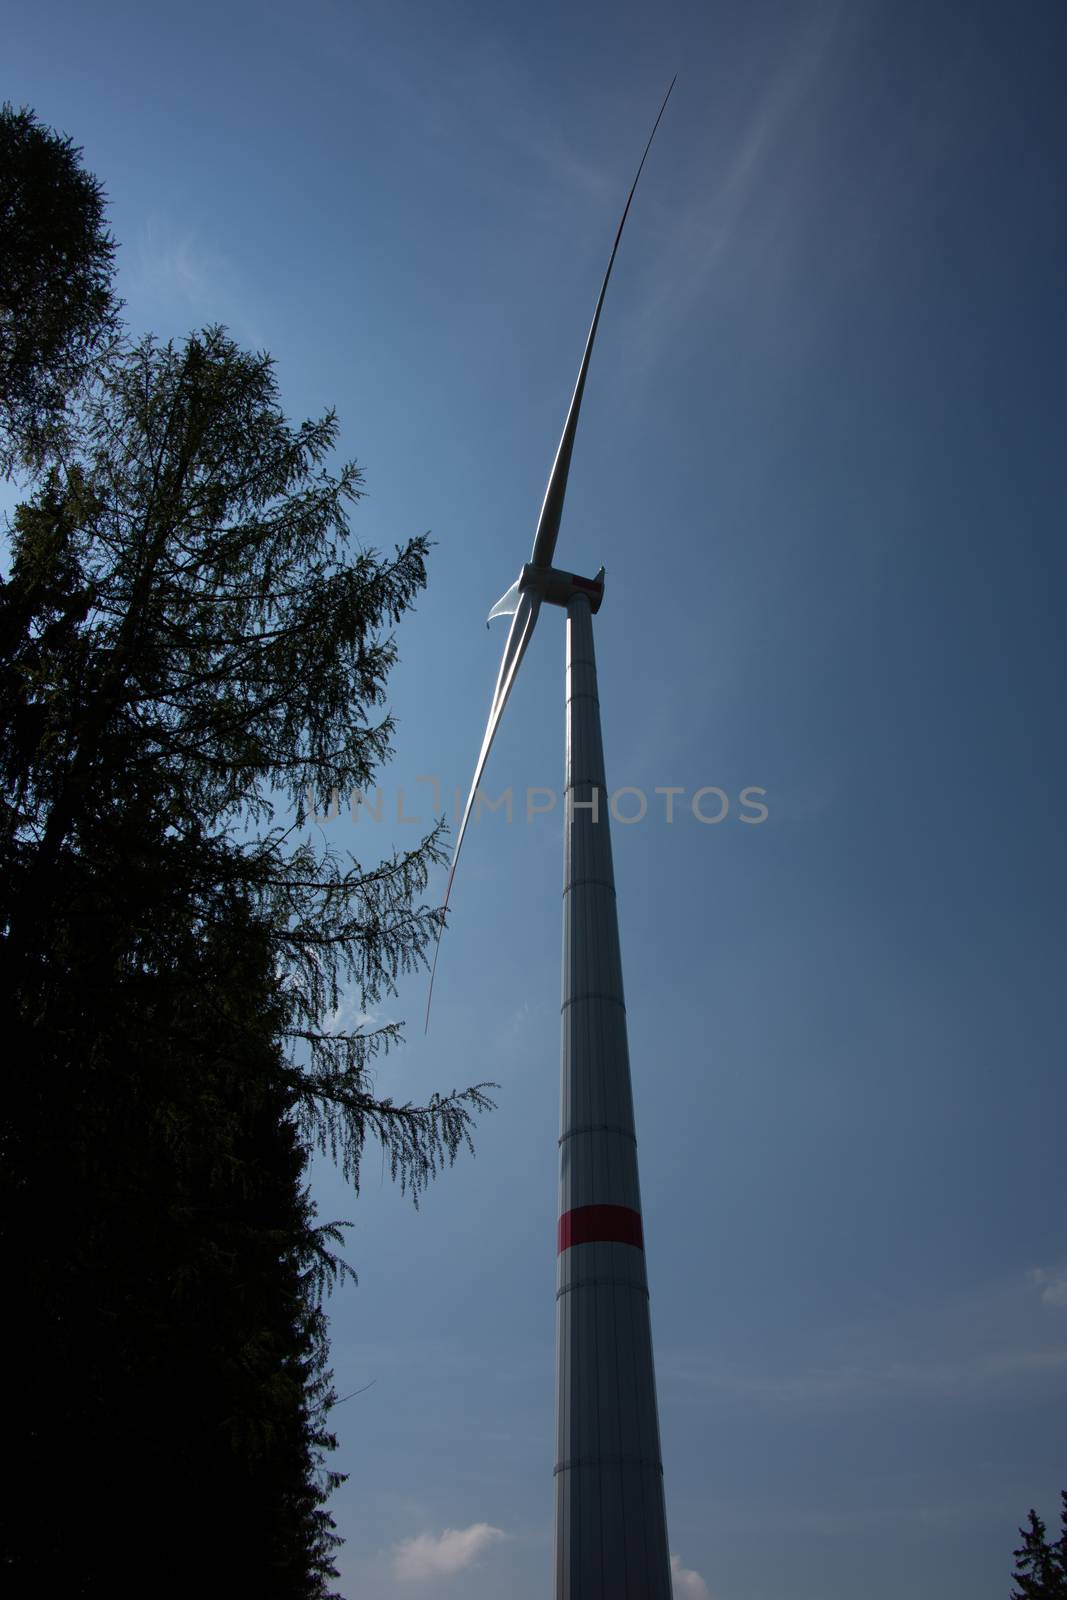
x=610 y=1516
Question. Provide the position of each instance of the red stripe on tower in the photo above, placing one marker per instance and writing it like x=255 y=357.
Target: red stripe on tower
x=600 y=1225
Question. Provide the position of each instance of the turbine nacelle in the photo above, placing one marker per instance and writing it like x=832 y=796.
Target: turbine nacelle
x=552 y=585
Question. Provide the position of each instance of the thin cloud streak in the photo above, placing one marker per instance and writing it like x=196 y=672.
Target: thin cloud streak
x=170 y=265
x=991 y=1337
x=891 y=1379
x=750 y=204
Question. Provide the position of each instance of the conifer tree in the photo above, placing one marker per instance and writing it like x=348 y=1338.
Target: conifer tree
x=57 y=308
x=190 y=645
x=189 y=640
x=1040 y=1567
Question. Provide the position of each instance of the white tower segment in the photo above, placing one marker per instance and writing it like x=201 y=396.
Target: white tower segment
x=611 y=1526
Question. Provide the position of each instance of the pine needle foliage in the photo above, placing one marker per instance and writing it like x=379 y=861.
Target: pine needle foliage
x=188 y=635
x=57 y=310
x=1040 y=1567
x=192 y=649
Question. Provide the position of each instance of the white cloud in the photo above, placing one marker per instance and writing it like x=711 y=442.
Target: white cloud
x=430 y=1555
x=1053 y=1285
x=686 y=1584
x=350 y=1018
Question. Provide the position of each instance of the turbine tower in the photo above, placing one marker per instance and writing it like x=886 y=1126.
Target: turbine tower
x=610 y=1517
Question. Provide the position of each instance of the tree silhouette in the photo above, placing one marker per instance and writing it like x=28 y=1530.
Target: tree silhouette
x=57 y=310
x=1041 y=1568
x=190 y=645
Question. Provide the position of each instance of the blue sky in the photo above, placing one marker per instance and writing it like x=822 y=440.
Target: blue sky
x=822 y=458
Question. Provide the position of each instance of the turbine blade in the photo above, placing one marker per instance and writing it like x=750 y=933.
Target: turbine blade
x=522 y=627
x=507 y=605
x=544 y=544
